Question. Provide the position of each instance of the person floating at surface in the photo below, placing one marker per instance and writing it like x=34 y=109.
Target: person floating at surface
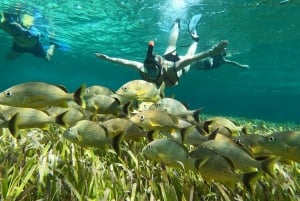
x=171 y=66
x=26 y=37
x=215 y=62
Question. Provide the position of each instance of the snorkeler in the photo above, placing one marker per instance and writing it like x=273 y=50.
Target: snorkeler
x=171 y=66
x=26 y=36
x=215 y=62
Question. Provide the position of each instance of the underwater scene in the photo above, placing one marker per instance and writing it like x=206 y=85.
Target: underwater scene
x=150 y=100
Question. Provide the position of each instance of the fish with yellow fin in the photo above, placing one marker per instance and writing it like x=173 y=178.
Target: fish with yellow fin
x=90 y=134
x=40 y=95
x=130 y=130
x=175 y=107
x=219 y=168
x=103 y=104
x=225 y=126
x=155 y=119
x=170 y=153
x=70 y=115
x=97 y=90
x=241 y=158
x=29 y=118
x=285 y=144
x=141 y=90
x=170 y=125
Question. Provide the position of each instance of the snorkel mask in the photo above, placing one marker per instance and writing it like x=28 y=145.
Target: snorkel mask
x=27 y=20
x=152 y=66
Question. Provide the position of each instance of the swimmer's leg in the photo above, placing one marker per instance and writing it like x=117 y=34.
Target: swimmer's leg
x=173 y=37
x=191 y=51
x=12 y=55
x=193 y=32
x=50 y=52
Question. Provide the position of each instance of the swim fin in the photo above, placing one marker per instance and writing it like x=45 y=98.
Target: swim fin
x=193 y=27
x=60 y=45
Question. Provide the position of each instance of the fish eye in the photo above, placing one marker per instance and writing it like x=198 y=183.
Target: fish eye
x=157 y=104
x=87 y=90
x=142 y=117
x=238 y=141
x=271 y=139
x=8 y=93
x=149 y=146
x=125 y=88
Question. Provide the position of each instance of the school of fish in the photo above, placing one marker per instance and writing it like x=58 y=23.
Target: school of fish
x=216 y=148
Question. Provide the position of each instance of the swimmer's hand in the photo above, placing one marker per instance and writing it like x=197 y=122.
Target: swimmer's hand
x=101 y=56
x=2 y=18
x=219 y=48
x=245 y=67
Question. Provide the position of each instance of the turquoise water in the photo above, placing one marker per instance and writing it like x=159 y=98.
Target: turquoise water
x=264 y=34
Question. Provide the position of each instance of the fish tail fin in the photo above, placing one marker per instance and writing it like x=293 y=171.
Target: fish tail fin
x=126 y=108
x=59 y=119
x=78 y=96
x=245 y=128
x=249 y=179
x=186 y=131
x=13 y=124
x=151 y=134
x=196 y=114
x=267 y=165
x=116 y=142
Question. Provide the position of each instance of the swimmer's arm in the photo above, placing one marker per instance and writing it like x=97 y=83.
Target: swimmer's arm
x=17 y=26
x=219 y=48
x=133 y=64
x=242 y=66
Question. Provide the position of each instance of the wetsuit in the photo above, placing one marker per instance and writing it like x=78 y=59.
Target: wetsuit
x=211 y=63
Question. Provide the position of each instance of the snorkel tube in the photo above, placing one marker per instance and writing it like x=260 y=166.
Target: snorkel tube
x=149 y=57
x=152 y=67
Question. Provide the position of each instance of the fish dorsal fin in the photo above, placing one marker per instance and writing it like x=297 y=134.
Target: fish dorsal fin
x=62 y=87
x=230 y=131
x=45 y=111
x=117 y=100
x=213 y=135
x=245 y=149
x=105 y=130
x=232 y=167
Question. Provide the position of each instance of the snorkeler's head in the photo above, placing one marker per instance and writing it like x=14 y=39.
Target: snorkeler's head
x=151 y=64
